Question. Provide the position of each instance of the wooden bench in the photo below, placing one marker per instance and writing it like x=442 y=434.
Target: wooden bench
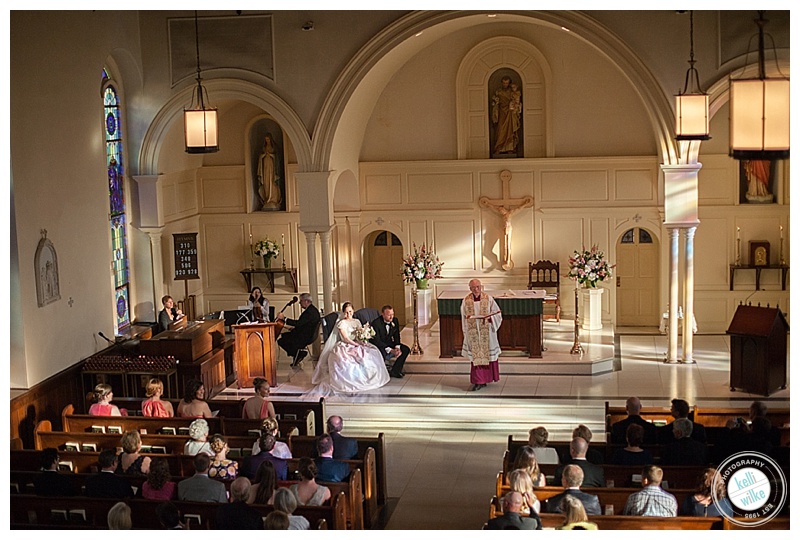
x=660 y=416
x=304 y=422
x=715 y=418
x=26 y=510
x=562 y=449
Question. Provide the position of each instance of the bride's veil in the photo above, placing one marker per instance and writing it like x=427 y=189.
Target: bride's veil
x=321 y=371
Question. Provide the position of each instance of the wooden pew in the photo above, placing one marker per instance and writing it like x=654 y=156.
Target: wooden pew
x=778 y=523
x=143 y=512
x=659 y=416
x=715 y=418
x=303 y=422
x=605 y=448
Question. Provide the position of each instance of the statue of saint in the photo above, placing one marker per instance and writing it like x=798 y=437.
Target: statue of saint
x=268 y=187
x=757 y=172
x=506 y=113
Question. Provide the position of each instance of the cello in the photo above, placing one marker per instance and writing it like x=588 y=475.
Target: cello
x=280 y=323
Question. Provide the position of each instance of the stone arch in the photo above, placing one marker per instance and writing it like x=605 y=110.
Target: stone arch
x=221 y=89
x=345 y=113
x=472 y=97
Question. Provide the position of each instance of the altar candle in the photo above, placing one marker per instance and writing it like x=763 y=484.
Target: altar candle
x=781 y=232
x=282 y=236
x=737 y=232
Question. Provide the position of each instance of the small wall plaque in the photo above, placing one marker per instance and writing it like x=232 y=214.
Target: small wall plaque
x=45 y=264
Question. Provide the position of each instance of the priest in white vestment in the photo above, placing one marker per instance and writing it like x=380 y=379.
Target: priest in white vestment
x=480 y=320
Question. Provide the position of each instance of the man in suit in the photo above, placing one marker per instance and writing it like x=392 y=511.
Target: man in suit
x=684 y=450
x=343 y=447
x=387 y=339
x=201 y=488
x=304 y=333
x=512 y=504
x=252 y=463
x=238 y=515
x=571 y=479
x=106 y=484
x=50 y=483
x=680 y=409
x=592 y=474
x=633 y=407
x=329 y=469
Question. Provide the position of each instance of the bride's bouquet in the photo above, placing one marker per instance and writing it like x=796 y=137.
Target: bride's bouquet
x=364 y=333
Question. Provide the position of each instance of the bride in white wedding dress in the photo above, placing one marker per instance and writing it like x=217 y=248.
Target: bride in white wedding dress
x=347 y=365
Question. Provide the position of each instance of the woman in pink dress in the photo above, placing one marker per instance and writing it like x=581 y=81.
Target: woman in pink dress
x=158 y=486
x=193 y=404
x=259 y=405
x=102 y=406
x=153 y=405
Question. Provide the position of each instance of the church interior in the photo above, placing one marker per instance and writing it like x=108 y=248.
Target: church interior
x=348 y=139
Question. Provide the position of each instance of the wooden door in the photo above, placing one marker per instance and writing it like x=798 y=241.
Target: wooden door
x=382 y=271
x=637 y=279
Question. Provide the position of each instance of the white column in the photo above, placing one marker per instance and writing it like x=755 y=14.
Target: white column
x=688 y=297
x=672 y=348
x=311 y=254
x=327 y=276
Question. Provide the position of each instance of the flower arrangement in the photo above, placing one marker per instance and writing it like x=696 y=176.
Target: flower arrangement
x=267 y=248
x=364 y=333
x=588 y=267
x=422 y=264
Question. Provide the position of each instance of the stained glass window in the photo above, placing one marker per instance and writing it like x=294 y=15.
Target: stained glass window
x=115 y=171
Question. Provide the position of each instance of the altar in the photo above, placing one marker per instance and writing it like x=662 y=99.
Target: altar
x=522 y=322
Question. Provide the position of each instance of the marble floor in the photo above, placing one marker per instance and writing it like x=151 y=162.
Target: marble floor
x=445 y=444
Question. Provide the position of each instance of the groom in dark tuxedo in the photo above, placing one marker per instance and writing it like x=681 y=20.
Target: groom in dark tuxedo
x=387 y=339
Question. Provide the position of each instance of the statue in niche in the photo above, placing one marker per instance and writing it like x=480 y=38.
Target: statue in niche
x=46 y=264
x=506 y=118
x=269 y=177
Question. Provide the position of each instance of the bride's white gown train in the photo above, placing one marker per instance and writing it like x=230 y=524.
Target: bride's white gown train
x=348 y=368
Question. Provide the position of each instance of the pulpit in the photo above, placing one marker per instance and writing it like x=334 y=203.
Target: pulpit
x=758 y=349
x=256 y=352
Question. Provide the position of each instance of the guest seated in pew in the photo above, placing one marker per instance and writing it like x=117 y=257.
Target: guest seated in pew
x=652 y=500
x=633 y=406
x=575 y=518
x=593 y=475
x=330 y=470
x=238 y=515
x=511 y=518
x=201 y=488
x=159 y=486
x=169 y=516
x=758 y=409
x=198 y=444
x=119 y=517
x=593 y=455
x=130 y=460
x=633 y=454
x=102 y=395
x=571 y=479
x=50 y=483
x=343 y=447
x=701 y=503
x=307 y=491
x=281 y=449
x=154 y=405
x=276 y=521
x=537 y=439
x=680 y=409
x=684 y=450
x=193 y=405
x=519 y=480
x=743 y=437
x=252 y=463
x=105 y=484
x=526 y=460
x=262 y=490
x=221 y=467
x=285 y=501
x=259 y=405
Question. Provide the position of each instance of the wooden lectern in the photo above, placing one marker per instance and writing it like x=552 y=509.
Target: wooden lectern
x=256 y=352
x=758 y=349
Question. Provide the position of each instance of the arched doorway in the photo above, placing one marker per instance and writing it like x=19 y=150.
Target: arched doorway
x=637 y=278
x=383 y=283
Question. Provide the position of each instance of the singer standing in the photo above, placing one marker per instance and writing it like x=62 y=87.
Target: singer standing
x=480 y=320
x=169 y=314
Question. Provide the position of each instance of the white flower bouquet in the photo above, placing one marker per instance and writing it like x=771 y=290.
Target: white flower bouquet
x=364 y=333
x=267 y=248
x=422 y=264
x=588 y=267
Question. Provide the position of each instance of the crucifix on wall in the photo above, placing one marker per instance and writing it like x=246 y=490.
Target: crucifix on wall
x=506 y=207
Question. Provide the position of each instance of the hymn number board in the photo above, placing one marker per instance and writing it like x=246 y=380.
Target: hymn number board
x=186 y=256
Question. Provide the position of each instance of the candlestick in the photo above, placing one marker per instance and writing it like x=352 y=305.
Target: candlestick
x=738 y=251
x=252 y=261
x=738 y=230
x=781 y=232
